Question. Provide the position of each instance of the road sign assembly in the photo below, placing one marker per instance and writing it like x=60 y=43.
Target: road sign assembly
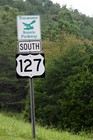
x=30 y=62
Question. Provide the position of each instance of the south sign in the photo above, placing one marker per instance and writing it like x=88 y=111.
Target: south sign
x=29 y=46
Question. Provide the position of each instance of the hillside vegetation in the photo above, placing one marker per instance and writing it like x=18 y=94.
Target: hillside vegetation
x=64 y=98
x=13 y=129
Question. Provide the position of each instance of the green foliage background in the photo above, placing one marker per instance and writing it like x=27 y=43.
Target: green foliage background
x=64 y=98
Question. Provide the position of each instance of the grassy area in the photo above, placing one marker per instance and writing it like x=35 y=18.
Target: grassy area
x=13 y=129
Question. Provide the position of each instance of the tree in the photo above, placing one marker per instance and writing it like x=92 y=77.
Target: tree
x=6 y=2
x=66 y=93
x=12 y=90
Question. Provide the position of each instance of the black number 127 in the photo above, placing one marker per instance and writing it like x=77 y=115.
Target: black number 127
x=29 y=63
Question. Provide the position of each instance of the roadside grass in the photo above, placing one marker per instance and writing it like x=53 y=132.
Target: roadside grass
x=15 y=129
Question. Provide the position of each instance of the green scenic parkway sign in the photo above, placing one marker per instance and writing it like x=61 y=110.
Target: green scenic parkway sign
x=28 y=28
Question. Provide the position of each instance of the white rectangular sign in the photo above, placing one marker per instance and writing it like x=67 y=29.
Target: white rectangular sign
x=28 y=27
x=29 y=46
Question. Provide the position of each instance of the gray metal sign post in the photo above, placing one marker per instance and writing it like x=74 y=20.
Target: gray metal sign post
x=32 y=107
